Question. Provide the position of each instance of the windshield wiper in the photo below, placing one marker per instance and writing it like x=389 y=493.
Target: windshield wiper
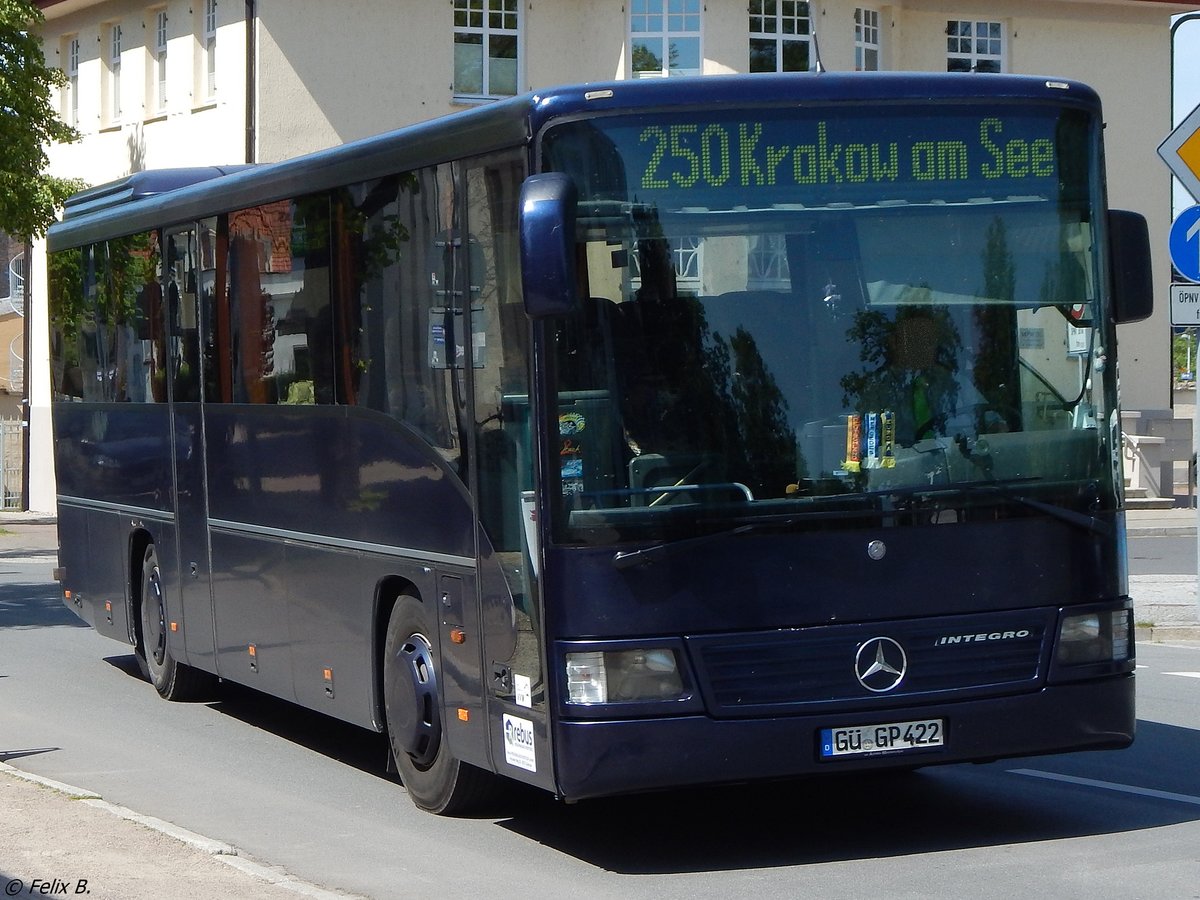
x=1005 y=489
x=749 y=523
x=627 y=559
x=1062 y=513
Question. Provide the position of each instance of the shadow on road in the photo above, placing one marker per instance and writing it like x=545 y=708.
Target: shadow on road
x=837 y=818
x=819 y=820
x=7 y=756
x=348 y=744
x=868 y=816
x=33 y=605
x=364 y=750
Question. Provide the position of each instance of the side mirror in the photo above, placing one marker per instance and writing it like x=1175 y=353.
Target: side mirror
x=547 y=229
x=1129 y=259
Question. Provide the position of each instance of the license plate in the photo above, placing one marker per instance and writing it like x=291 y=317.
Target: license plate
x=890 y=737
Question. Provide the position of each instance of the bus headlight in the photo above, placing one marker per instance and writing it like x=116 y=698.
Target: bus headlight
x=1095 y=637
x=623 y=676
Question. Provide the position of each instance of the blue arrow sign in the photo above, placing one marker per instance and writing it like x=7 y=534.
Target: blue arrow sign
x=1184 y=243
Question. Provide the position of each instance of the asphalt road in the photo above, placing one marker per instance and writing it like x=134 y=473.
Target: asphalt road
x=299 y=790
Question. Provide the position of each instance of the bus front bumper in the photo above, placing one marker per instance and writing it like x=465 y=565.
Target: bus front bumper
x=607 y=757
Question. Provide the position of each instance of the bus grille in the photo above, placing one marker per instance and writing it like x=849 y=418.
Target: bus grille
x=948 y=658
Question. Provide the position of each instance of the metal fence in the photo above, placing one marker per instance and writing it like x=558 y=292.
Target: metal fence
x=11 y=463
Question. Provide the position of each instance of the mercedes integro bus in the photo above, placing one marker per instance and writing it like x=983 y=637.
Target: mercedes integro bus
x=623 y=437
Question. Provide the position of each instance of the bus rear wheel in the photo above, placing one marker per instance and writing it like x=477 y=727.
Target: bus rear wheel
x=435 y=780
x=172 y=679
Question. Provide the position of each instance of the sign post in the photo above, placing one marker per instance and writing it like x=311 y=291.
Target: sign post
x=1181 y=152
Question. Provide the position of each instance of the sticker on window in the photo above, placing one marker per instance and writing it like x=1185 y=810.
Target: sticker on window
x=524 y=690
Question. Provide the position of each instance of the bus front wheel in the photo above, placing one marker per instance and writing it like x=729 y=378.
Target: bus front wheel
x=172 y=679
x=435 y=780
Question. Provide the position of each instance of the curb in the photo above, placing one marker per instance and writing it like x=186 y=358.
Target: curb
x=220 y=851
x=1160 y=530
x=1167 y=634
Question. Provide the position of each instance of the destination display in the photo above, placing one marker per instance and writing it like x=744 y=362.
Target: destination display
x=815 y=157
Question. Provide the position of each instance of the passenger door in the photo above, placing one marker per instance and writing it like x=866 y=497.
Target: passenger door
x=502 y=474
x=188 y=274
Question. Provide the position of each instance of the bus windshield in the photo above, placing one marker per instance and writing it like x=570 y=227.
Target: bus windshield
x=808 y=316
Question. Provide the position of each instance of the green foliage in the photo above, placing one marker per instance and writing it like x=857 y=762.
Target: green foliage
x=29 y=197
x=1183 y=352
x=646 y=60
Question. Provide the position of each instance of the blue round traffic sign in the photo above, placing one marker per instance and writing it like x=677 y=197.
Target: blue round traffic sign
x=1184 y=243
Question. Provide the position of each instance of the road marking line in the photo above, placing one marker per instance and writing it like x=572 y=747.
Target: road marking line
x=1184 y=674
x=1110 y=786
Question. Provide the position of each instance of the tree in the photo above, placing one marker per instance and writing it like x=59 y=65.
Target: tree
x=29 y=196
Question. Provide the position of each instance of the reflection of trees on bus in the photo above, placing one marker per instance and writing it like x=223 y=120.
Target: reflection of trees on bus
x=688 y=390
x=106 y=296
x=760 y=411
x=996 y=373
x=911 y=368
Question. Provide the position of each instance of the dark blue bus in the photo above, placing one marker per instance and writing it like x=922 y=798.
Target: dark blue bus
x=622 y=437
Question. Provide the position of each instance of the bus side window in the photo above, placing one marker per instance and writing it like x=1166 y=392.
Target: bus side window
x=66 y=311
x=279 y=294
x=384 y=295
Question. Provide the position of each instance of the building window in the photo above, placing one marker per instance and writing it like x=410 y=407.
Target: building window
x=157 y=75
x=780 y=36
x=866 y=40
x=208 y=43
x=767 y=264
x=664 y=37
x=687 y=259
x=112 y=89
x=71 y=89
x=974 y=46
x=486 y=40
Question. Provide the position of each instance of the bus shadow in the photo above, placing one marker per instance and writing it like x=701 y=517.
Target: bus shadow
x=856 y=817
x=348 y=744
x=127 y=664
x=818 y=820
x=34 y=605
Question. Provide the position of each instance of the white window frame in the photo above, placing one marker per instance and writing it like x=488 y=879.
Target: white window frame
x=976 y=45
x=482 y=21
x=767 y=263
x=783 y=22
x=208 y=43
x=71 y=70
x=158 y=60
x=661 y=22
x=112 y=73
x=687 y=260
x=868 y=43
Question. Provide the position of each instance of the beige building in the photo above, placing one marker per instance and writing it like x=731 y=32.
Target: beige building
x=199 y=82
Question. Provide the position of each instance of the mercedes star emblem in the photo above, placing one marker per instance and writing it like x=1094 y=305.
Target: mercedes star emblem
x=880 y=664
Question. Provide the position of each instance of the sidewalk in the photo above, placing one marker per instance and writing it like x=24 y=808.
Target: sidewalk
x=1162 y=522
x=1164 y=606
x=57 y=840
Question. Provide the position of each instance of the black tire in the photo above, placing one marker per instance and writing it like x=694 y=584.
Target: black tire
x=172 y=679
x=435 y=780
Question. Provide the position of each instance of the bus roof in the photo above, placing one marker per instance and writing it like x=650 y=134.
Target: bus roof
x=158 y=198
